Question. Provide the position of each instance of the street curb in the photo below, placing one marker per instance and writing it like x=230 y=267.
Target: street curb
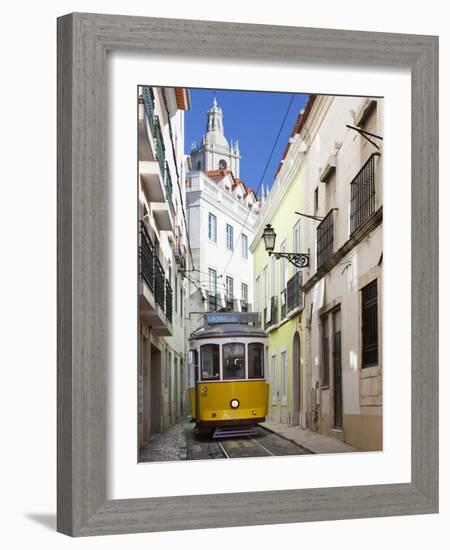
x=287 y=438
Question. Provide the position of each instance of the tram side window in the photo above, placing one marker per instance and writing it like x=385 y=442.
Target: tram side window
x=210 y=362
x=256 y=360
x=233 y=361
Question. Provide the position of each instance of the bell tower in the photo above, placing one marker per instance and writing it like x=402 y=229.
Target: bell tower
x=215 y=153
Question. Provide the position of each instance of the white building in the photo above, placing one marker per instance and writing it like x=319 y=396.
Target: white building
x=221 y=214
x=162 y=259
x=342 y=340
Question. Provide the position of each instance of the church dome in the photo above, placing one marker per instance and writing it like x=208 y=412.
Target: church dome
x=215 y=138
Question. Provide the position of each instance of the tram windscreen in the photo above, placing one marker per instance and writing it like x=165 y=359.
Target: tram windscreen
x=233 y=361
x=210 y=362
x=255 y=360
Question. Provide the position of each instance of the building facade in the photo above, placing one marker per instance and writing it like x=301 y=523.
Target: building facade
x=343 y=286
x=221 y=212
x=162 y=238
x=278 y=286
x=326 y=360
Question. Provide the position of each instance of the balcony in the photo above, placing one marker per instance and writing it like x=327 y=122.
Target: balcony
x=294 y=293
x=155 y=293
x=271 y=313
x=147 y=150
x=325 y=236
x=362 y=202
x=244 y=306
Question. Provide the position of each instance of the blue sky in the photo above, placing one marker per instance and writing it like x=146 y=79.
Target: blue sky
x=253 y=118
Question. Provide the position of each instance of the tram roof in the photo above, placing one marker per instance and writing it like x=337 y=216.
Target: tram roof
x=227 y=330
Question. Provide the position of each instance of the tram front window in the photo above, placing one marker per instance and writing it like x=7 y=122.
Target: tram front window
x=210 y=362
x=255 y=360
x=233 y=361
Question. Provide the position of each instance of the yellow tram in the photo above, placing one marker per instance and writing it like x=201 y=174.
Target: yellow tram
x=227 y=374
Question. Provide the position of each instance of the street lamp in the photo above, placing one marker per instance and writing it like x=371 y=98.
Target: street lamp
x=269 y=237
x=299 y=259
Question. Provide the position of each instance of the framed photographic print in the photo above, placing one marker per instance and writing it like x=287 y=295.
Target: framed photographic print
x=247 y=274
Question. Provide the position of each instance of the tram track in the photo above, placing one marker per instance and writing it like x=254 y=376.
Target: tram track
x=239 y=448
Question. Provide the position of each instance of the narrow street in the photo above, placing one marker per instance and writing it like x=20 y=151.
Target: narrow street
x=181 y=443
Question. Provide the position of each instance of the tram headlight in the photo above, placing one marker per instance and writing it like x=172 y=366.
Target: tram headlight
x=234 y=403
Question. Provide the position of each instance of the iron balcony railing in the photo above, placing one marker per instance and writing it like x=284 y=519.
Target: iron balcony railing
x=168 y=301
x=159 y=144
x=273 y=313
x=362 y=202
x=149 y=104
x=325 y=237
x=152 y=272
x=146 y=256
x=294 y=293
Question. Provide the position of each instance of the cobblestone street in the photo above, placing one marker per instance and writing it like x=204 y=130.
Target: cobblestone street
x=181 y=443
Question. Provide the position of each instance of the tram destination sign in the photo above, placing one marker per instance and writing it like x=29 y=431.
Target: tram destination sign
x=233 y=317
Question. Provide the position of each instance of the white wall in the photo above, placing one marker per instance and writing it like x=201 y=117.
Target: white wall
x=28 y=403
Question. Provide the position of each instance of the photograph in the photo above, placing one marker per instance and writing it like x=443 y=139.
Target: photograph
x=260 y=273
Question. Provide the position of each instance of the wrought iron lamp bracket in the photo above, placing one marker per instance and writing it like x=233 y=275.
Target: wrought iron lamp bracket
x=298 y=259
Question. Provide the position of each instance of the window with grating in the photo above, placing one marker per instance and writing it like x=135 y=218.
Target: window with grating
x=369 y=315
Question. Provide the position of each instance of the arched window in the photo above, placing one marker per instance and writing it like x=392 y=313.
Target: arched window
x=222 y=164
x=199 y=165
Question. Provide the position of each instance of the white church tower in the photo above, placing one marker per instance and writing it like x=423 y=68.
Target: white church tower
x=215 y=153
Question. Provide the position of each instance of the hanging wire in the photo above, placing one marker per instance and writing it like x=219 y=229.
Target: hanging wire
x=260 y=182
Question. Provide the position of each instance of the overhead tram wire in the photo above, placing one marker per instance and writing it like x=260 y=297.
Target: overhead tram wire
x=260 y=182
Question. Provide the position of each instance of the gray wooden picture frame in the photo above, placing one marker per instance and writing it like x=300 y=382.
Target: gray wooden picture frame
x=83 y=42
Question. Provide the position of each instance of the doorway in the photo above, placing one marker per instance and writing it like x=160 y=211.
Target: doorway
x=337 y=371
x=155 y=390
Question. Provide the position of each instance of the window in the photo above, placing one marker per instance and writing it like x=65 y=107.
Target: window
x=273 y=377
x=229 y=237
x=296 y=241
x=233 y=361
x=210 y=362
x=244 y=292
x=273 y=277
x=212 y=227
x=199 y=165
x=229 y=283
x=257 y=293
x=212 y=276
x=256 y=360
x=176 y=292
x=369 y=305
x=325 y=374
x=229 y=291
x=284 y=377
x=222 y=164
x=212 y=281
x=316 y=201
x=283 y=267
x=265 y=289
x=244 y=246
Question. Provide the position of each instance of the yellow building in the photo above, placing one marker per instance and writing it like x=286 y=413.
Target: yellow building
x=278 y=294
